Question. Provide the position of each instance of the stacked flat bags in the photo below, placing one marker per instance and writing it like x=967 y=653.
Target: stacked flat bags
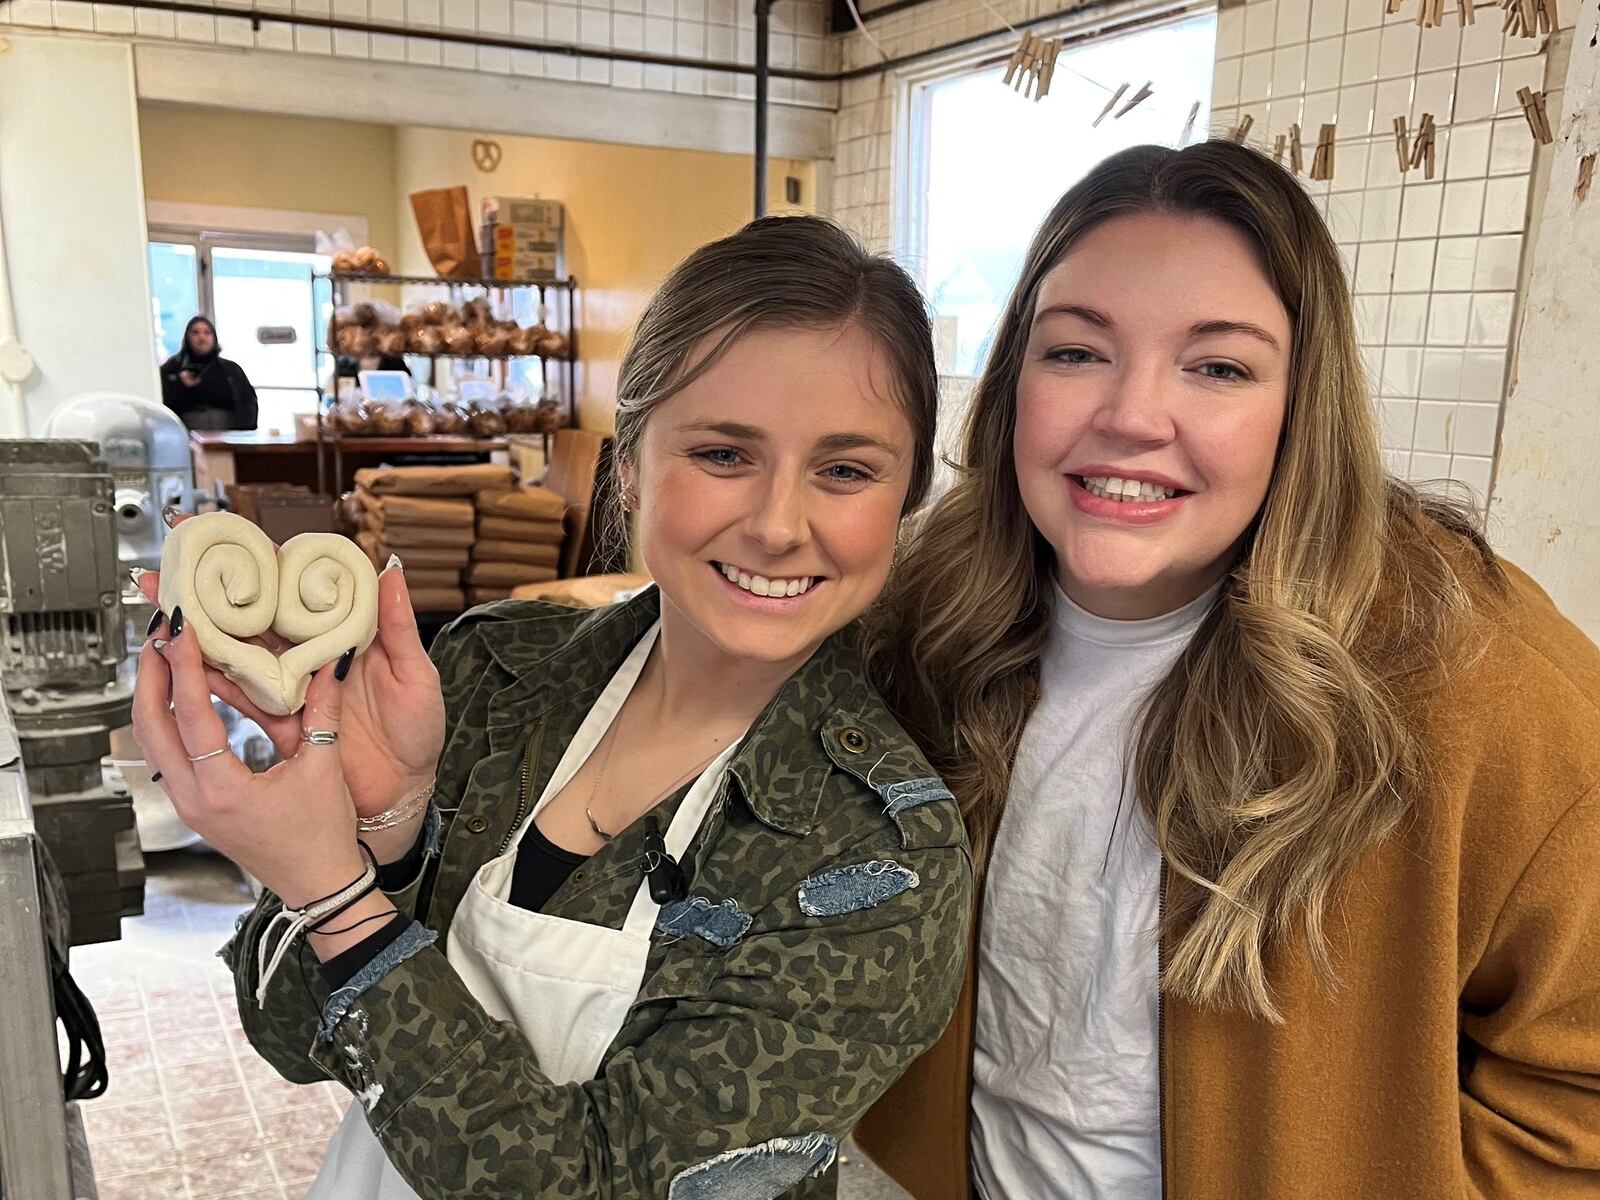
x=519 y=536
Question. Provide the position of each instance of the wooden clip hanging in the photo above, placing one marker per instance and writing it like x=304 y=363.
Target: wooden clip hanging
x=1139 y=97
x=1031 y=66
x=1533 y=109
x=1392 y=7
x=1467 y=12
x=1422 y=148
x=1431 y=14
x=1110 y=104
x=1402 y=144
x=1188 y=126
x=1322 y=160
x=1277 y=148
x=1242 y=130
x=1295 y=158
x=1047 y=68
x=1548 y=22
x=1585 y=175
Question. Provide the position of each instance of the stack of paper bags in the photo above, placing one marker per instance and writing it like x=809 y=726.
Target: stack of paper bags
x=426 y=516
x=519 y=541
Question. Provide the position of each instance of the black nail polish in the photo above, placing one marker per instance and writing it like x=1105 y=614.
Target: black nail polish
x=156 y=778
x=155 y=622
x=177 y=621
x=342 y=667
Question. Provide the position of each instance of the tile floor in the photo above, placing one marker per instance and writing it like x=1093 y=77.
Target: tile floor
x=191 y=1112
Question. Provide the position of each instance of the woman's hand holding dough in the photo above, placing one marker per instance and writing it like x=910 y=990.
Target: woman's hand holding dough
x=393 y=725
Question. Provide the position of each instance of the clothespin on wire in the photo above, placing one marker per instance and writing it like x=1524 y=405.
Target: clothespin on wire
x=1143 y=94
x=1188 y=126
x=1322 y=160
x=1422 y=148
x=1533 y=109
x=1242 y=130
x=1110 y=104
x=1296 y=160
x=1032 y=65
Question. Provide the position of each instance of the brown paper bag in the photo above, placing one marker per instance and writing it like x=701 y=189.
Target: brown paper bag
x=444 y=220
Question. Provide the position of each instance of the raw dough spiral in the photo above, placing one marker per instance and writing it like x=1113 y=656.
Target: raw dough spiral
x=318 y=591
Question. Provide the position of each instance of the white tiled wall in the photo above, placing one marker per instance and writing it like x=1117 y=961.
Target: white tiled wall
x=711 y=30
x=1434 y=264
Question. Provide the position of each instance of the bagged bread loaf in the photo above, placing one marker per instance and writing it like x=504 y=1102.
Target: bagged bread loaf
x=434 y=481
x=516 y=530
x=531 y=503
x=506 y=574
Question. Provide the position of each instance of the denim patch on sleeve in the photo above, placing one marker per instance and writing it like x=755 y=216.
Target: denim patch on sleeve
x=415 y=939
x=908 y=793
x=720 y=924
x=850 y=889
x=762 y=1172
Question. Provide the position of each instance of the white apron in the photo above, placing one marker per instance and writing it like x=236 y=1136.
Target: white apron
x=567 y=985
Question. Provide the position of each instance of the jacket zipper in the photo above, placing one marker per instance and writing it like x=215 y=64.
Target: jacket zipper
x=1161 y=1028
x=523 y=787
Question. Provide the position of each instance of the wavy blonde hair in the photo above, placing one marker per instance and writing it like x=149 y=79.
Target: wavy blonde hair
x=1283 y=743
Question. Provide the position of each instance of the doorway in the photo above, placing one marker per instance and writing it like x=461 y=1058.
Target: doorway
x=269 y=298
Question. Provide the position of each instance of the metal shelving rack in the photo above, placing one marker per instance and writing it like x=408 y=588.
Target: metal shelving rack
x=565 y=385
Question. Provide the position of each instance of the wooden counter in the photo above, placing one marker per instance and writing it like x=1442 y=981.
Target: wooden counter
x=248 y=457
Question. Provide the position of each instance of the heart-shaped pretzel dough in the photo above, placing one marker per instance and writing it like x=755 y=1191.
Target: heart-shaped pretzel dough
x=318 y=591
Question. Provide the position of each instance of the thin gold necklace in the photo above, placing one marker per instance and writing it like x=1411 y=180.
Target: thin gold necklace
x=600 y=779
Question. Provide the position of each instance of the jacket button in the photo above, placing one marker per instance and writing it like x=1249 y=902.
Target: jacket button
x=477 y=824
x=853 y=740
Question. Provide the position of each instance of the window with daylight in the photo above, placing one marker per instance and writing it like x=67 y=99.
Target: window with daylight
x=986 y=164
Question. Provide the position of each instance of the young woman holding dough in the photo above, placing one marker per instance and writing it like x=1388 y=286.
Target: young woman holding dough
x=685 y=898
x=1287 y=787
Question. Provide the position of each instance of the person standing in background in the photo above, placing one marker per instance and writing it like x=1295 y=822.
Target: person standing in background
x=206 y=390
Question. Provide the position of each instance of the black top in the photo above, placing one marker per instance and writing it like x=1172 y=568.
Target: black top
x=223 y=387
x=540 y=869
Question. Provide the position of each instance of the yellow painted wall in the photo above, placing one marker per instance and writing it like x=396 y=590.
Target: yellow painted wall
x=632 y=213
x=254 y=160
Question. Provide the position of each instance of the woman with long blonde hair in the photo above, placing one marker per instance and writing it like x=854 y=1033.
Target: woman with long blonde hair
x=1285 y=791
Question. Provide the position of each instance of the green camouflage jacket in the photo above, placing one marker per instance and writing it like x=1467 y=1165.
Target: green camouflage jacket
x=820 y=950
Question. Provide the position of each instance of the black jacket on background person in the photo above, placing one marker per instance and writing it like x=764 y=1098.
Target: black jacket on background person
x=223 y=399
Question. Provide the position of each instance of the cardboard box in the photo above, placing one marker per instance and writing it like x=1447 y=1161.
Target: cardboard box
x=515 y=210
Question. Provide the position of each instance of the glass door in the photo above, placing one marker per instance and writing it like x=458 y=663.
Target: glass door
x=271 y=313
x=263 y=294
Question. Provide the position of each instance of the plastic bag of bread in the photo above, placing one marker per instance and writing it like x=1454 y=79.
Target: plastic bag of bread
x=364 y=259
x=519 y=413
x=448 y=418
x=387 y=421
x=419 y=419
x=348 y=338
x=493 y=342
x=344 y=262
x=552 y=344
x=425 y=339
x=458 y=339
x=485 y=422
x=364 y=314
x=365 y=343
x=476 y=312
x=390 y=341
x=412 y=320
x=350 y=418
x=522 y=341
x=548 y=417
x=436 y=312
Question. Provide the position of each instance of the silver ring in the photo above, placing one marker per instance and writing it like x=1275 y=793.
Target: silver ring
x=194 y=758
x=319 y=737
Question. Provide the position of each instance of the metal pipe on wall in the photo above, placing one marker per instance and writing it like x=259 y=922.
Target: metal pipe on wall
x=763 y=82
